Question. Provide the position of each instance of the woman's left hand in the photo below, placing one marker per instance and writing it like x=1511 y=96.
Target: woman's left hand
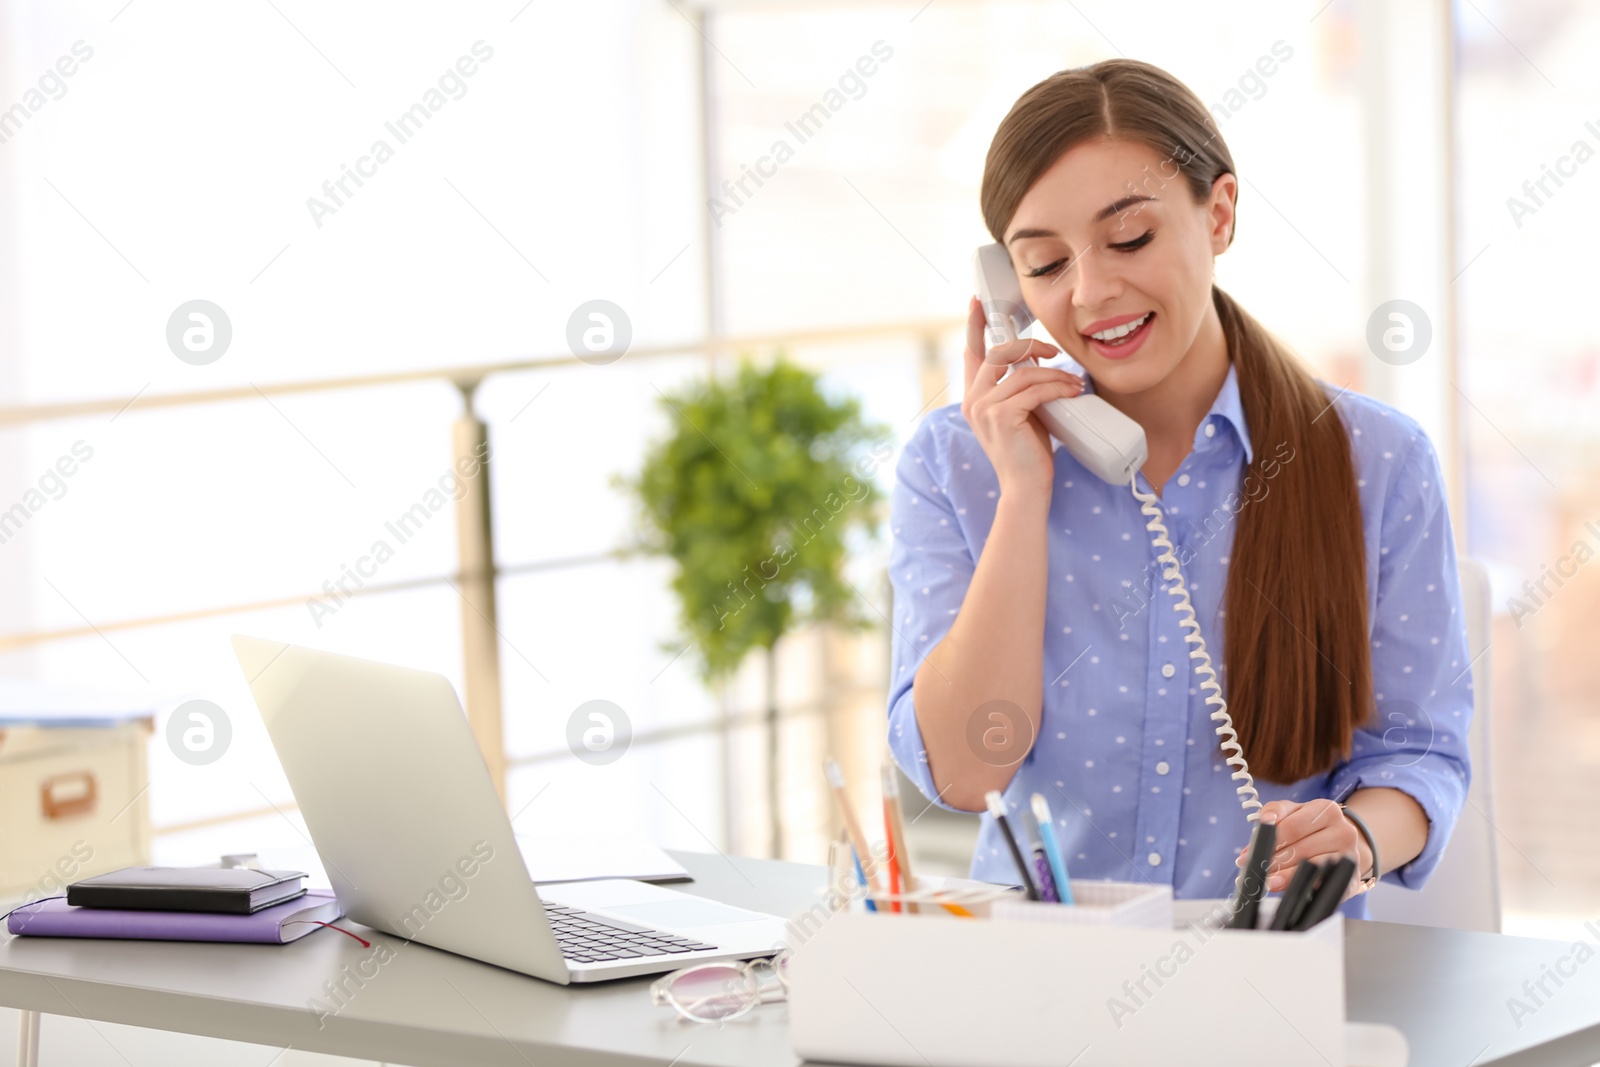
x=1314 y=830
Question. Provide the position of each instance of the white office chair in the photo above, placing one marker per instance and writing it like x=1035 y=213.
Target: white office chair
x=1464 y=890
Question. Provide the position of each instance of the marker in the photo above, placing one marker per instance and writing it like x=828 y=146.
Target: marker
x=1052 y=848
x=1293 y=901
x=1329 y=893
x=1041 y=862
x=997 y=808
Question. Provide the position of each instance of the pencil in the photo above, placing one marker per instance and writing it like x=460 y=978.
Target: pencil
x=858 y=840
x=895 y=824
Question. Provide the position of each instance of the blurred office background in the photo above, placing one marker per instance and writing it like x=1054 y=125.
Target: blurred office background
x=175 y=163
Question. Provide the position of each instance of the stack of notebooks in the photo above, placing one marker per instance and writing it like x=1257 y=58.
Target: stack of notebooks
x=182 y=904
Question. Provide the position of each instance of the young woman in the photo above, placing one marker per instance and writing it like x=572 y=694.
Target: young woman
x=1036 y=650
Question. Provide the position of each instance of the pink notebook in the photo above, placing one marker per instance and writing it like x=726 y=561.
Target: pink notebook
x=278 y=924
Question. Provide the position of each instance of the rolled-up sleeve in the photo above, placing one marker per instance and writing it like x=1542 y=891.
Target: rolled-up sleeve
x=1421 y=669
x=930 y=567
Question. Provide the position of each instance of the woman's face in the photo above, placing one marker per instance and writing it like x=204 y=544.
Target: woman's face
x=1109 y=239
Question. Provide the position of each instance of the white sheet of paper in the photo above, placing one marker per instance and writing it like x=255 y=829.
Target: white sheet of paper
x=579 y=857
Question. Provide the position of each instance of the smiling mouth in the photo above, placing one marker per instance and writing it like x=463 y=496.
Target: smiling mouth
x=1121 y=335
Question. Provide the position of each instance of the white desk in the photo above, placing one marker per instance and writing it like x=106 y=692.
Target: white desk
x=1446 y=990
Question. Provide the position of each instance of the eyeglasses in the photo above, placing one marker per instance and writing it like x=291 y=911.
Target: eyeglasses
x=717 y=992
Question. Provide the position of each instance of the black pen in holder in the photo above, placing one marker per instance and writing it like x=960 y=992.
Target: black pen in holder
x=1252 y=883
x=1306 y=878
x=1329 y=893
x=997 y=807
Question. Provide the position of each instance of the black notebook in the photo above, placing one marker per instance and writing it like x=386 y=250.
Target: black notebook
x=231 y=890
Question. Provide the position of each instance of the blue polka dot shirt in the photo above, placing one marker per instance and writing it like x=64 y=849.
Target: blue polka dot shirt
x=1126 y=754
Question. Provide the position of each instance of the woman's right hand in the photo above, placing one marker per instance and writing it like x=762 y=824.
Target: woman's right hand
x=1001 y=413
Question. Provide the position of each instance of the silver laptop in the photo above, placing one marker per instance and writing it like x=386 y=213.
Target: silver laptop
x=416 y=842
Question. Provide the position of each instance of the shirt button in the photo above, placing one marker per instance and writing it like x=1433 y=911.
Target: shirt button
x=1168 y=670
x=1183 y=479
x=1155 y=859
x=1211 y=429
x=1162 y=767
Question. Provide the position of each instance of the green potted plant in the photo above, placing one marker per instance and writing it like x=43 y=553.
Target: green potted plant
x=756 y=493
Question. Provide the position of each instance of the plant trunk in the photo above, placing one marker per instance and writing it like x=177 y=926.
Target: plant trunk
x=774 y=794
x=731 y=837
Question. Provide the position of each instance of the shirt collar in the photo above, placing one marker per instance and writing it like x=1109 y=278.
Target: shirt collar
x=1227 y=407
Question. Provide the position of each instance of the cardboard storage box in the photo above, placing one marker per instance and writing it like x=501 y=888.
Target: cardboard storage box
x=73 y=790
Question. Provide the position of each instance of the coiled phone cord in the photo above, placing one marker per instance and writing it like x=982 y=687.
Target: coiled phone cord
x=1149 y=503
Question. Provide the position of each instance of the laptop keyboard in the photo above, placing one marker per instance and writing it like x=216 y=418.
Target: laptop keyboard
x=585 y=937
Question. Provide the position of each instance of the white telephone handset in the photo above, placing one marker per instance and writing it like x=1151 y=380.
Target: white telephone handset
x=1102 y=438
x=1112 y=446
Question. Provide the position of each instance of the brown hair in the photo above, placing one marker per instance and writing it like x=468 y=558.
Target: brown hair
x=1298 y=667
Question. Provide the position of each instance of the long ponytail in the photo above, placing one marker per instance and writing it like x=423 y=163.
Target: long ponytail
x=1299 y=671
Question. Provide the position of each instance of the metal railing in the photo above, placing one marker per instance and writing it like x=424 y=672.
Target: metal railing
x=478 y=571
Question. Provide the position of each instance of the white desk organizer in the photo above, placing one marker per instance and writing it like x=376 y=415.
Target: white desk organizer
x=1096 y=904
x=1132 y=981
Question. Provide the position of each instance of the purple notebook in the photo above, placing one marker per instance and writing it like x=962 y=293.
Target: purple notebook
x=272 y=925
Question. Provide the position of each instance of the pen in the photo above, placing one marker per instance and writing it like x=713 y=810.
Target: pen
x=1330 y=892
x=1052 y=848
x=1041 y=863
x=997 y=808
x=839 y=850
x=861 y=880
x=858 y=840
x=1252 y=883
x=1294 y=898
